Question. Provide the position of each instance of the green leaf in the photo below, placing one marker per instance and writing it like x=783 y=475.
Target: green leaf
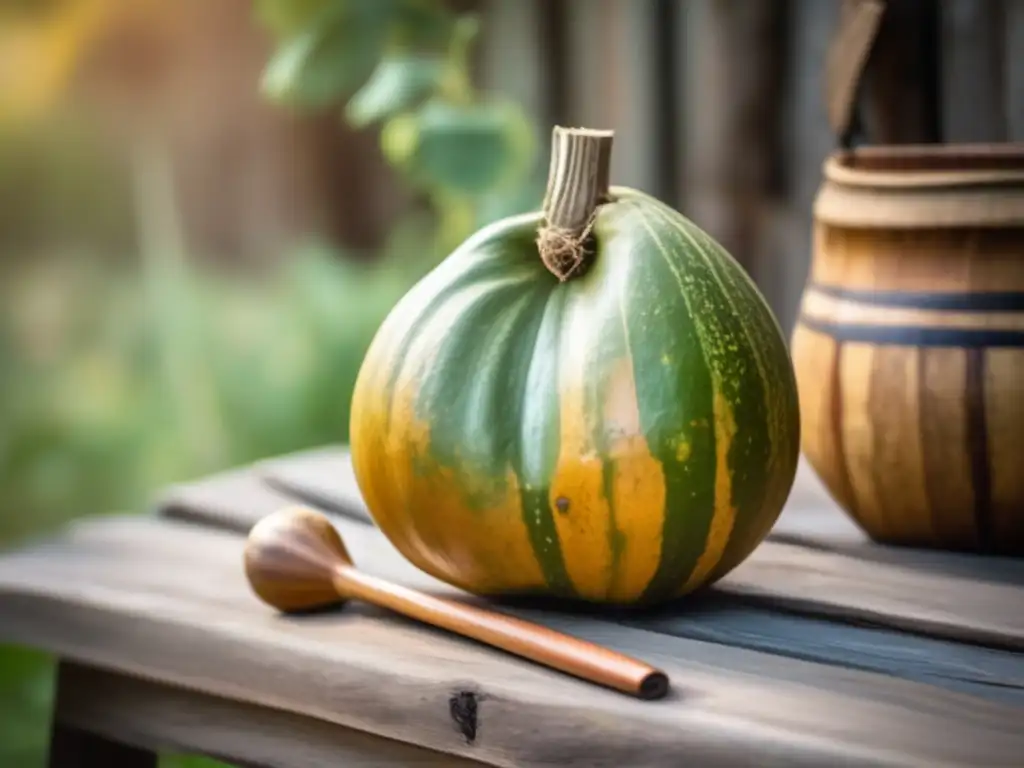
x=422 y=26
x=461 y=149
x=26 y=697
x=397 y=85
x=331 y=55
x=286 y=17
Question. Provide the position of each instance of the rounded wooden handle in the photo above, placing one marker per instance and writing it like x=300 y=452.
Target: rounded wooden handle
x=522 y=638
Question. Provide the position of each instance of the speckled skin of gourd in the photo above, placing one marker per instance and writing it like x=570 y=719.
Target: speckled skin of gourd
x=625 y=436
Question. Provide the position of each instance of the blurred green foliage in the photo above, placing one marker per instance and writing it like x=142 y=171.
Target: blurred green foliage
x=117 y=380
x=94 y=417
x=104 y=397
x=403 y=67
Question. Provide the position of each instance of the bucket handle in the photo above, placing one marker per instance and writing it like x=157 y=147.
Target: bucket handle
x=846 y=60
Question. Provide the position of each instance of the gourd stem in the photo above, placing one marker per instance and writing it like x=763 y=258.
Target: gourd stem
x=578 y=180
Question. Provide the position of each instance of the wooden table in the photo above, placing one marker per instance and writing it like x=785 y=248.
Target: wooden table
x=820 y=650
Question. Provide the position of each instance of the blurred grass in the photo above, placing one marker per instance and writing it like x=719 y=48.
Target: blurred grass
x=105 y=397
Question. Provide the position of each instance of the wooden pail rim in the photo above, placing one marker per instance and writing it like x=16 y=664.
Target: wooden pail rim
x=927 y=165
x=924 y=186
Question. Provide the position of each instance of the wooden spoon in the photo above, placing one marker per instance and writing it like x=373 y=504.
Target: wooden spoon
x=295 y=560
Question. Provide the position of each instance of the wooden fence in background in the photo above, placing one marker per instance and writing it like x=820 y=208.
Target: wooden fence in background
x=718 y=105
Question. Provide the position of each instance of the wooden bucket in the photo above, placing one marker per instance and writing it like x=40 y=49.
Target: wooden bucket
x=909 y=346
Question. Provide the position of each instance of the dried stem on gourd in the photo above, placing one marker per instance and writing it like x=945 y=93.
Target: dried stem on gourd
x=578 y=181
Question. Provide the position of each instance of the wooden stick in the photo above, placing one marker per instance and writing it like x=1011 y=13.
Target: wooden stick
x=295 y=560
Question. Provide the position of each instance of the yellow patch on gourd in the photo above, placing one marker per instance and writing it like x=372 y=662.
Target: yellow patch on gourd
x=368 y=429
x=638 y=489
x=683 y=450
x=470 y=526
x=724 y=517
x=583 y=515
x=577 y=499
x=459 y=526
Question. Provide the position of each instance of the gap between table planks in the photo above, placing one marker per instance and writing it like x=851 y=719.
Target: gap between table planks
x=166 y=600
x=742 y=612
x=974 y=603
x=814 y=562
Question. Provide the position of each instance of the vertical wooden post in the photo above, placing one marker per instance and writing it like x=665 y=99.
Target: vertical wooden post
x=734 y=82
x=807 y=140
x=611 y=67
x=512 y=56
x=72 y=747
x=666 y=130
x=1014 y=78
x=973 y=93
x=554 y=33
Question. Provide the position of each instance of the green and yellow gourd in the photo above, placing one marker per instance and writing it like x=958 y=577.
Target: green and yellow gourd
x=592 y=402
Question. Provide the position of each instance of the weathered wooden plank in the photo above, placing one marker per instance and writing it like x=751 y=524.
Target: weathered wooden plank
x=827 y=532
x=827 y=641
x=167 y=601
x=315 y=477
x=817 y=583
x=232 y=500
x=720 y=620
x=983 y=672
x=166 y=718
x=823 y=567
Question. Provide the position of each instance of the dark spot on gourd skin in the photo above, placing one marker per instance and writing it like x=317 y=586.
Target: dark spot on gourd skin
x=562 y=504
x=463 y=709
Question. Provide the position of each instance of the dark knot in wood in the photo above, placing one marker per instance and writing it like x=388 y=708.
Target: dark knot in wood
x=463 y=709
